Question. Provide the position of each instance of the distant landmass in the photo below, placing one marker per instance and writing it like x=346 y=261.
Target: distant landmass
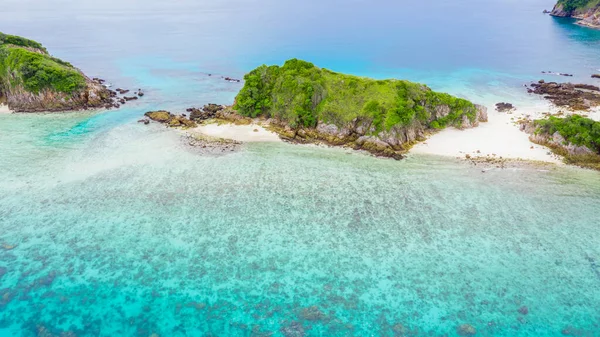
x=586 y=11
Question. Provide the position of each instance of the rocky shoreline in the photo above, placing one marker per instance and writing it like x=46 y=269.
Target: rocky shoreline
x=390 y=144
x=576 y=97
x=586 y=16
x=573 y=154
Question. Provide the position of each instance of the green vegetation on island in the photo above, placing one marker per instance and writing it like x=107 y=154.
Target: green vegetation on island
x=573 y=5
x=575 y=137
x=32 y=80
x=301 y=94
x=384 y=117
x=26 y=63
x=586 y=11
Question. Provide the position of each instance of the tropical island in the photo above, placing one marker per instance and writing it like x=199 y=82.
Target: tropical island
x=31 y=80
x=307 y=104
x=586 y=11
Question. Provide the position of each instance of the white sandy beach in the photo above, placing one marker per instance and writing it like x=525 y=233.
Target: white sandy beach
x=499 y=136
x=4 y=109
x=241 y=133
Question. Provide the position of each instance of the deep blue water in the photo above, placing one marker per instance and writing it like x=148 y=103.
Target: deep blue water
x=111 y=228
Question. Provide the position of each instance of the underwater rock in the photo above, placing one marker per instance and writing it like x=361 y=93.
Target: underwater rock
x=2 y=271
x=6 y=246
x=6 y=295
x=466 y=330
x=596 y=76
x=572 y=331
x=523 y=310
x=256 y=332
x=47 y=280
x=399 y=329
x=295 y=329
x=312 y=314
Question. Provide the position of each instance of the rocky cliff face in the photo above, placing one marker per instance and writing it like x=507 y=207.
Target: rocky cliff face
x=31 y=80
x=587 y=14
x=93 y=95
x=361 y=133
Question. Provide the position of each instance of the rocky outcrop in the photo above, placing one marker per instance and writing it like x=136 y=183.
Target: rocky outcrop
x=554 y=140
x=587 y=13
x=579 y=155
x=504 y=107
x=170 y=119
x=31 y=80
x=577 y=97
x=207 y=112
x=94 y=95
x=361 y=134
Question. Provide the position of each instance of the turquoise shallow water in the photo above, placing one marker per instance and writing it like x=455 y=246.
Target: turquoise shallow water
x=128 y=232
x=111 y=228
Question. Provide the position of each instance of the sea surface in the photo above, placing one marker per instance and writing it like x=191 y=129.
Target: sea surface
x=113 y=228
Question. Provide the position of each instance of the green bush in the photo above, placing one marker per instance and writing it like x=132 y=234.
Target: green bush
x=20 y=41
x=35 y=71
x=302 y=94
x=574 y=129
x=572 y=5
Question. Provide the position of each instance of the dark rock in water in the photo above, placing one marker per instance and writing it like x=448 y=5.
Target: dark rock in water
x=170 y=119
x=130 y=98
x=524 y=310
x=587 y=87
x=466 y=330
x=596 y=76
x=140 y=93
x=295 y=329
x=574 y=96
x=567 y=75
x=159 y=116
x=122 y=91
x=145 y=121
x=229 y=79
x=504 y=107
x=207 y=112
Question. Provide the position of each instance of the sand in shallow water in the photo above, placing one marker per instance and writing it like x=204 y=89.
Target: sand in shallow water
x=499 y=136
x=4 y=109
x=242 y=133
